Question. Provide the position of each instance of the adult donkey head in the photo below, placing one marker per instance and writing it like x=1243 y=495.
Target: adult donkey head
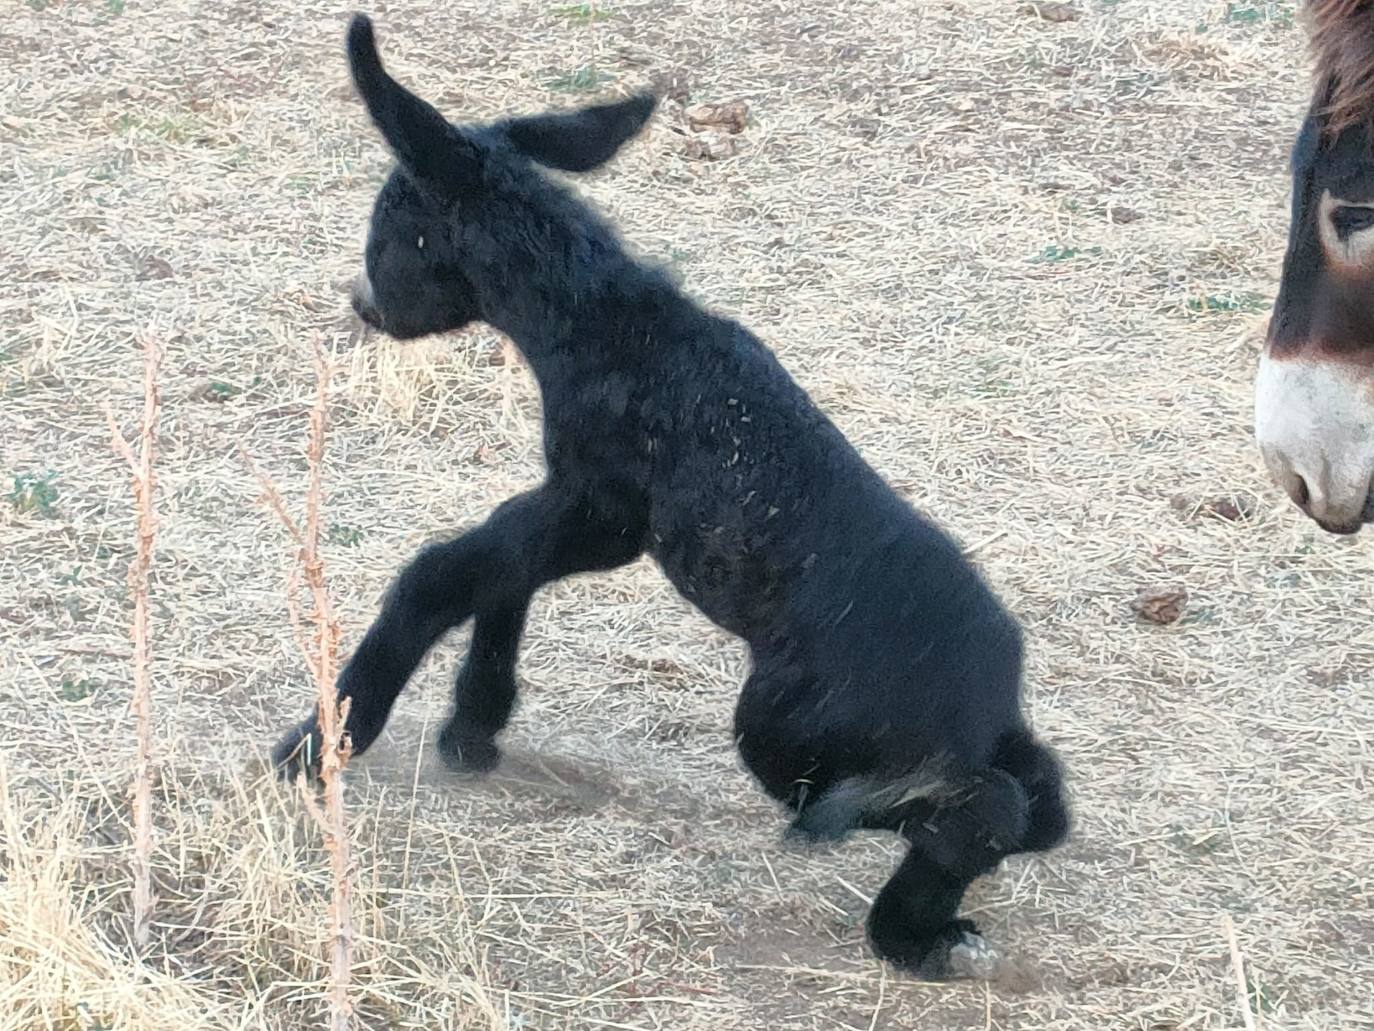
x=1314 y=396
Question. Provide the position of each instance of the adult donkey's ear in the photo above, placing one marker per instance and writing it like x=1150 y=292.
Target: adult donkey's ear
x=578 y=141
x=436 y=154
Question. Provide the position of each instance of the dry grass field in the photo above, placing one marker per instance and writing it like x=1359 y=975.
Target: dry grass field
x=1021 y=261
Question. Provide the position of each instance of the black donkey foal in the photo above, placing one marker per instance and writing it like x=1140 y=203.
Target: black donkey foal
x=885 y=683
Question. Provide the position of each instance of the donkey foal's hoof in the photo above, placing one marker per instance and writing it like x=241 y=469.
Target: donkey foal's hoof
x=467 y=754
x=973 y=959
x=957 y=952
x=298 y=751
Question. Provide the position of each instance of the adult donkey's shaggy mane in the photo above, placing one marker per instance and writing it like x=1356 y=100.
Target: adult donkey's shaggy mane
x=1343 y=43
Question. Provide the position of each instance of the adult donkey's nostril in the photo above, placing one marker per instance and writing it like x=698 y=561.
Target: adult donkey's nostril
x=1301 y=495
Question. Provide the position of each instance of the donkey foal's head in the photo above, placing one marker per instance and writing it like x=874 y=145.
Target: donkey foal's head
x=466 y=212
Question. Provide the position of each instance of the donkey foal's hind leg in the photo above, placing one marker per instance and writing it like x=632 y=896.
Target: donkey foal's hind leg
x=913 y=924
x=914 y=921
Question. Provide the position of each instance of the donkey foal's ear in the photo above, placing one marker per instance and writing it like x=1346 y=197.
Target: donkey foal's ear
x=433 y=151
x=578 y=141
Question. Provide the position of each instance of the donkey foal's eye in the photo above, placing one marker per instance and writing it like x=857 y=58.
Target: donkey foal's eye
x=1348 y=220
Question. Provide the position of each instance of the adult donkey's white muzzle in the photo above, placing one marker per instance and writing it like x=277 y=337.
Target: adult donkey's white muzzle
x=1314 y=421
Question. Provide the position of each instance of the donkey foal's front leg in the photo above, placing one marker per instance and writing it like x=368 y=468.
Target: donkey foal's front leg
x=484 y=692
x=493 y=567
x=492 y=572
x=581 y=539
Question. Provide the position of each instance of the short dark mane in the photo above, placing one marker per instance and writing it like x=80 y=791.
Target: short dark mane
x=1343 y=43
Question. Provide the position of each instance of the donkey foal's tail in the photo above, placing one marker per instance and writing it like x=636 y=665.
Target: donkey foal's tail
x=1014 y=804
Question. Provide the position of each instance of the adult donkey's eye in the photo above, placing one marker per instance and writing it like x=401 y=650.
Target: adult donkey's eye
x=1348 y=220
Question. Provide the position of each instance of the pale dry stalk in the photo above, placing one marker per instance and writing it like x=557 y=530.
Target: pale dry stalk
x=333 y=717
x=1228 y=928
x=144 y=482
x=321 y=655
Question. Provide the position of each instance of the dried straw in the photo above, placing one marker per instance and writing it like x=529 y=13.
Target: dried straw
x=1016 y=261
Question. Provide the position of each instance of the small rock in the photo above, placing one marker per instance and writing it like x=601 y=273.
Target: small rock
x=1161 y=605
x=1122 y=215
x=731 y=116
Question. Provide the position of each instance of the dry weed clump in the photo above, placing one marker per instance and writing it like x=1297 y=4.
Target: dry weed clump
x=238 y=942
x=56 y=969
x=141 y=466
x=321 y=656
